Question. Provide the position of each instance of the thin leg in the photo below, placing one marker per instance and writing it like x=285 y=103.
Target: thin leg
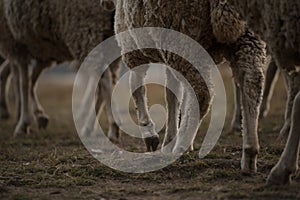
x=248 y=73
x=272 y=74
x=90 y=122
x=4 y=74
x=288 y=163
x=236 y=123
x=41 y=117
x=293 y=88
x=173 y=92
x=104 y=94
x=17 y=91
x=188 y=117
x=107 y=90
x=24 y=121
x=139 y=96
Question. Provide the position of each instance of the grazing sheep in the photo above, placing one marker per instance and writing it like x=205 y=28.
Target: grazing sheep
x=52 y=31
x=279 y=26
x=219 y=30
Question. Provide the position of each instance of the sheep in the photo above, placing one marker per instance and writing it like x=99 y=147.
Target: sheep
x=281 y=21
x=52 y=31
x=220 y=31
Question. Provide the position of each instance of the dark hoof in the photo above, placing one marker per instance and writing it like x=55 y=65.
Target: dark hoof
x=115 y=140
x=152 y=143
x=249 y=162
x=42 y=122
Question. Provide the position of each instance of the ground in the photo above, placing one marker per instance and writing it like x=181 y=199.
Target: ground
x=53 y=164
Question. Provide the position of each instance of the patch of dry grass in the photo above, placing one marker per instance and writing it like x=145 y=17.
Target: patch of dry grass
x=53 y=164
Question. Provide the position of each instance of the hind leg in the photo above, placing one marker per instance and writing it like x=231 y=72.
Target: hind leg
x=247 y=67
x=236 y=123
x=272 y=74
x=106 y=85
x=173 y=92
x=147 y=128
x=90 y=122
x=41 y=117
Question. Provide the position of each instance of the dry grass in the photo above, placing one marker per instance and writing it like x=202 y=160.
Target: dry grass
x=53 y=164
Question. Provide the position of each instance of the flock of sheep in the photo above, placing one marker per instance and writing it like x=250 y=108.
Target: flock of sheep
x=242 y=32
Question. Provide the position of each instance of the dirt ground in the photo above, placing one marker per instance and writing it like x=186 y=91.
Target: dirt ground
x=53 y=164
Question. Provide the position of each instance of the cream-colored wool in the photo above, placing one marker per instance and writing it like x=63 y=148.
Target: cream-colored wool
x=220 y=31
x=278 y=23
x=49 y=31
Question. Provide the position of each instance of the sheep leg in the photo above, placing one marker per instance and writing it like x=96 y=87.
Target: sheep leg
x=17 y=90
x=84 y=112
x=248 y=72
x=272 y=74
x=108 y=78
x=4 y=74
x=107 y=90
x=194 y=97
x=23 y=124
x=147 y=128
x=187 y=110
x=236 y=122
x=41 y=117
x=90 y=122
x=288 y=163
x=173 y=91
x=293 y=88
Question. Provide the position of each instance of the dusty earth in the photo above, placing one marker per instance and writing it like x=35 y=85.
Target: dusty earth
x=53 y=164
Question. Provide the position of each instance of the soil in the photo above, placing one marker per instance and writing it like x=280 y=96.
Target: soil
x=54 y=164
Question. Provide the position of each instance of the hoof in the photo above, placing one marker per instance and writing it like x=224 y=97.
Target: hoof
x=42 y=121
x=279 y=177
x=114 y=140
x=22 y=129
x=249 y=163
x=152 y=143
x=114 y=134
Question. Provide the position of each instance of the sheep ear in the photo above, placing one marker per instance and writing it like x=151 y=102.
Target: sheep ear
x=108 y=4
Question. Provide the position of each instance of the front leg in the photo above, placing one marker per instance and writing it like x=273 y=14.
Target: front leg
x=23 y=125
x=288 y=163
x=293 y=88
